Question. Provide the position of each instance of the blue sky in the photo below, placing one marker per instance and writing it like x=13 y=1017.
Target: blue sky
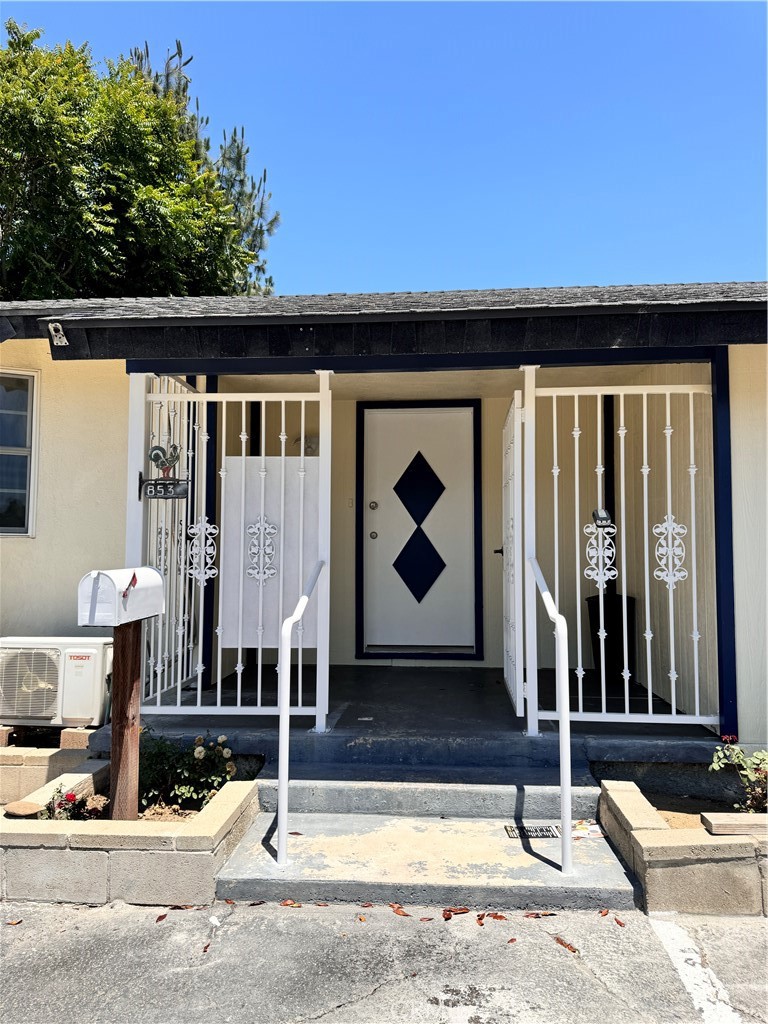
x=417 y=146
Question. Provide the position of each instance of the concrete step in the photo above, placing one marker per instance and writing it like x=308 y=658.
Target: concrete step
x=421 y=861
x=490 y=750
x=536 y=798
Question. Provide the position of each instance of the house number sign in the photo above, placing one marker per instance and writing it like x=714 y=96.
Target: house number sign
x=163 y=487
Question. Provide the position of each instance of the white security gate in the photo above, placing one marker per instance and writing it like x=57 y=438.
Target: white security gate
x=618 y=509
x=512 y=552
x=236 y=549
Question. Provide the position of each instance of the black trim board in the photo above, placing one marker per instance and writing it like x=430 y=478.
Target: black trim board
x=724 y=589
x=423 y=363
x=475 y=405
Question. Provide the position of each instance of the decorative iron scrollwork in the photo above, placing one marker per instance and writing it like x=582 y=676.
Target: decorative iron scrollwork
x=670 y=552
x=261 y=551
x=201 y=552
x=601 y=554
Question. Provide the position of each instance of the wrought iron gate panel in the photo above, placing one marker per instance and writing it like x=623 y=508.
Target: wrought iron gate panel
x=223 y=556
x=643 y=568
x=637 y=587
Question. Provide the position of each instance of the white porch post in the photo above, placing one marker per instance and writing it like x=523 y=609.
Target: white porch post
x=137 y=426
x=529 y=485
x=324 y=553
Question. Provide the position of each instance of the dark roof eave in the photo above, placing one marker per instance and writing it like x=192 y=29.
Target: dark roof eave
x=381 y=316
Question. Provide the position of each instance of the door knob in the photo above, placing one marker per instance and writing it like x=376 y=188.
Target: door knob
x=373 y=505
x=373 y=535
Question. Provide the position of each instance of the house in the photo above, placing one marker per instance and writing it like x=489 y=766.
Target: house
x=425 y=448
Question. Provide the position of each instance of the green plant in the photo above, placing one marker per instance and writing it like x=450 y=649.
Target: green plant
x=187 y=776
x=71 y=807
x=752 y=770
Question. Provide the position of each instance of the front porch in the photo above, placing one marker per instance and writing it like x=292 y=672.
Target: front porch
x=280 y=472
x=429 y=725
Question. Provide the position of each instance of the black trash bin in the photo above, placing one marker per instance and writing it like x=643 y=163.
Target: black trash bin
x=614 y=630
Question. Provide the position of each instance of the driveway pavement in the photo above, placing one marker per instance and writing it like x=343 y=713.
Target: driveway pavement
x=346 y=963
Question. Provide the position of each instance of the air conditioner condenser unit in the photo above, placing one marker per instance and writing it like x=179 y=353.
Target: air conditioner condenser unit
x=54 y=681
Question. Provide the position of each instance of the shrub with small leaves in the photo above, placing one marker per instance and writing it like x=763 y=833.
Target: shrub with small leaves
x=187 y=776
x=752 y=770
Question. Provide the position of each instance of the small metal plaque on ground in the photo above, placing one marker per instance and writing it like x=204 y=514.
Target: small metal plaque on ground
x=533 y=831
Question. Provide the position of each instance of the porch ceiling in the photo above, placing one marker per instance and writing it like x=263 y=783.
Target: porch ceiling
x=448 y=383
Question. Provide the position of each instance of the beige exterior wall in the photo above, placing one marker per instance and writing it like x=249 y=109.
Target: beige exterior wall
x=80 y=471
x=748 y=366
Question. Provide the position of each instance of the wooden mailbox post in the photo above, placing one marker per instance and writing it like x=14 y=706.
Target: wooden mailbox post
x=122 y=598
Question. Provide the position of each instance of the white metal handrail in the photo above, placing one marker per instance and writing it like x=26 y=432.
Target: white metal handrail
x=284 y=711
x=564 y=709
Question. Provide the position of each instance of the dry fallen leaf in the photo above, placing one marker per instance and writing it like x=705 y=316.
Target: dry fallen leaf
x=321 y=904
x=394 y=906
x=619 y=923
x=565 y=945
x=206 y=947
x=536 y=914
x=603 y=913
x=230 y=902
x=15 y=922
x=294 y=906
x=181 y=906
x=481 y=919
x=366 y=904
x=361 y=917
x=497 y=917
x=295 y=833
x=459 y=910
x=426 y=918
x=160 y=917
x=257 y=903
x=447 y=915
x=510 y=941
x=401 y=913
x=286 y=903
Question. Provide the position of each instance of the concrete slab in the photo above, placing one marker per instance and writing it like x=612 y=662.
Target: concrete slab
x=428 y=860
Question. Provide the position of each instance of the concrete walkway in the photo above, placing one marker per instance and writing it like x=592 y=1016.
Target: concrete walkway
x=454 y=861
x=346 y=964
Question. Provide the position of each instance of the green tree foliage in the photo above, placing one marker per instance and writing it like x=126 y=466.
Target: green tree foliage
x=106 y=185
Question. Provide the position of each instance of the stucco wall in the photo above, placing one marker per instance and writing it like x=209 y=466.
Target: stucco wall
x=81 y=479
x=748 y=366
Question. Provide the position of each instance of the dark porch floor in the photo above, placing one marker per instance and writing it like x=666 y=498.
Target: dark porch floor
x=394 y=701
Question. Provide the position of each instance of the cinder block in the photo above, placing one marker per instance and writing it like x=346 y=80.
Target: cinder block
x=6 y=731
x=43 y=756
x=31 y=832
x=10 y=783
x=206 y=830
x=120 y=835
x=14 y=755
x=630 y=807
x=157 y=877
x=714 y=887
x=56 y=876
x=654 y=847
x=75 y=739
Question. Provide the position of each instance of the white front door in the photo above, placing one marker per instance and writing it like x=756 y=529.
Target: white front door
x=418 y=532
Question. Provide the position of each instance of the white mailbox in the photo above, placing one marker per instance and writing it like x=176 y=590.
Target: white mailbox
x=111 y=597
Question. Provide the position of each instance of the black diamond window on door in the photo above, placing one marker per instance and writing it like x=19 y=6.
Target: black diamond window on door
x=419 y=563
x=419 y=488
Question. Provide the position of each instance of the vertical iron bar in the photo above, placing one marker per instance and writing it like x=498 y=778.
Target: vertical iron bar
x=624 y=582
x=576 y=434
x=695 y=636
x=670 y=583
